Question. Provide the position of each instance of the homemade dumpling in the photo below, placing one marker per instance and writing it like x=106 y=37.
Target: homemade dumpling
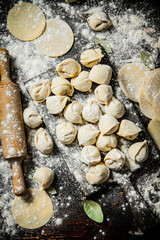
x=82 y=82
x=40 y=90
x=101 y=74
x=68 y=68
x=90 y=155
x=106 y=143
x=56 y=104
x=103 y=93
x=99 y=21
x=98 y=174
x=138 y=151
x=61 y=86
x=31 y=117
x=115 y=108
x=72 y=112
x=87 y=135
x=108 y=124
x=43 y=141
x=91 y=57
x=115 y=159
x=128 y=130
x=91 y=112
x=66 y=132
x=44 y=177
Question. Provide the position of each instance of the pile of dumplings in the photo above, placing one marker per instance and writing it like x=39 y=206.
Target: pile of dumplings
x=95 y=123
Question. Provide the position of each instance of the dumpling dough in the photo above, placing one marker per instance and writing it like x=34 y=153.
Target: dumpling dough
x=87 y=135
x=98 y=174
x=90 y=155
x=61 y=86
x=138 y=151
x=115 y=159
x=154 y=131
x=72 y=112
x=82 y=82
x=106 y=143
x=56 y=104
x=32 y=210
x=103 y=93
x=66 y=132
x=91 y=57
x=43 y=141
x=115 y=108
x=156 y=106
x=44 y=177
x=91 y=112
x=145 y=106
x=99 y=21
x=128 y=130
x=31 y=117
x=40 y=90
x=101 y=74
x=68 y=68
x=108 y=124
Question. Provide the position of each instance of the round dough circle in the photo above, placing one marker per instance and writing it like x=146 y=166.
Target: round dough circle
x=57 y=39
x=26 y=21
x=32 y=210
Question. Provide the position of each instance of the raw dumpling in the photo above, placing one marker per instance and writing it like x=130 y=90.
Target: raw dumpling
x=115 y=159
x=44 y=177
x=156 y=106
x=145 y=106
x=103 y=93
x=115 y=108
x=40 y=90
x=68 y=68
x=72 y=112
x=98 y=174
x=82 y=82
x=31 y=117
x=56 y=104
x=43 y=141
x=128 y=130
x=138 y=151
x=101 y=74
x=91 y=112
x=66 y=132
x=99 y=21
x=91 y=57
x=90 y=155
x=154 y=131
x=61 y=86
x=106 y=143
x=108 y=124
x=87 y=135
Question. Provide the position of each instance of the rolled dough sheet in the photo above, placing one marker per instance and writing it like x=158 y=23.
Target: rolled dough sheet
x=57 y=38
x=33 y=210
x=26 y=21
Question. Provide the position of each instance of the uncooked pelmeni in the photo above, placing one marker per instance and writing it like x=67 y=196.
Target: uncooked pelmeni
x=87 y=135
x=31 y=117
x=138 y=151
x=106 y=143
x=90 y=155
x=98 y=174
x=108 y=124
x=40 y=90
x=66 y=132
x=56 y=104
x=103 y=93
x=91 y=57
x=99 y=21
x=156 y=106
x=101 y=74
x=44 y=177
x=115 y=108
x=128 y=129
x=68 y=68
x=145 y=106
x=61 y=86
x=91 y=112
x=72 y=112
x=154 y=131
x=115 y=159
x=43 y=141
x=82 y=82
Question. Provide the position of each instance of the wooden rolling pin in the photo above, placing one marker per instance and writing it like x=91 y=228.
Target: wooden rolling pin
x=11 y=124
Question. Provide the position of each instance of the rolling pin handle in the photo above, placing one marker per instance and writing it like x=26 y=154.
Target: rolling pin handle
x=4 y=67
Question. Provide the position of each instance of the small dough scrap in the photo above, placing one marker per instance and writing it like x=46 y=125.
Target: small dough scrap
x=106 y=143
x=101 y=74
x=154 y=131
x=68 y=68
x=103 y=93
x=26 y=21
x=145 y=106
x=156 y=106
x=44 y=177
x=115 y=108
x=99 y=21
x=87 y=135
x=98 y=174
x=128 y=129
x=32 y=210
x=43 y=141
x=115 y=159
x=91 y=57
x=31 y=117
x=132 y=78
x=66 y=132
x=90 y=155
x=82 y=82
x=72 y=112
x=138 y=151
x=40 y=90
x=57 y=38
x=91 y=112
x=108 y=124
x=56 y=104
x=61 y=86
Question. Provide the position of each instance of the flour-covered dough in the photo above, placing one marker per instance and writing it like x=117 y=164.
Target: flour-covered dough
x=156 y=106
x=66 y=132
x=91 y=112
x=87 y=135
x=101 y=74
x=68 y=68
x=72 y=112
x=99 y=21
x=128 y=129
x=108 y=124
x=44 y=176
x=31 y=117
x=145 y=106
x=61 y=86
x=98 y=174
x=91 y=57
x=40 y=90
x=56 y=104
x=154 y=131
x=82 y=82
x=90 y=155
x=115 y=108
x=106 y=143
x=43 y=141
x=103 y=93
x=138 y=151
x=115 y=159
